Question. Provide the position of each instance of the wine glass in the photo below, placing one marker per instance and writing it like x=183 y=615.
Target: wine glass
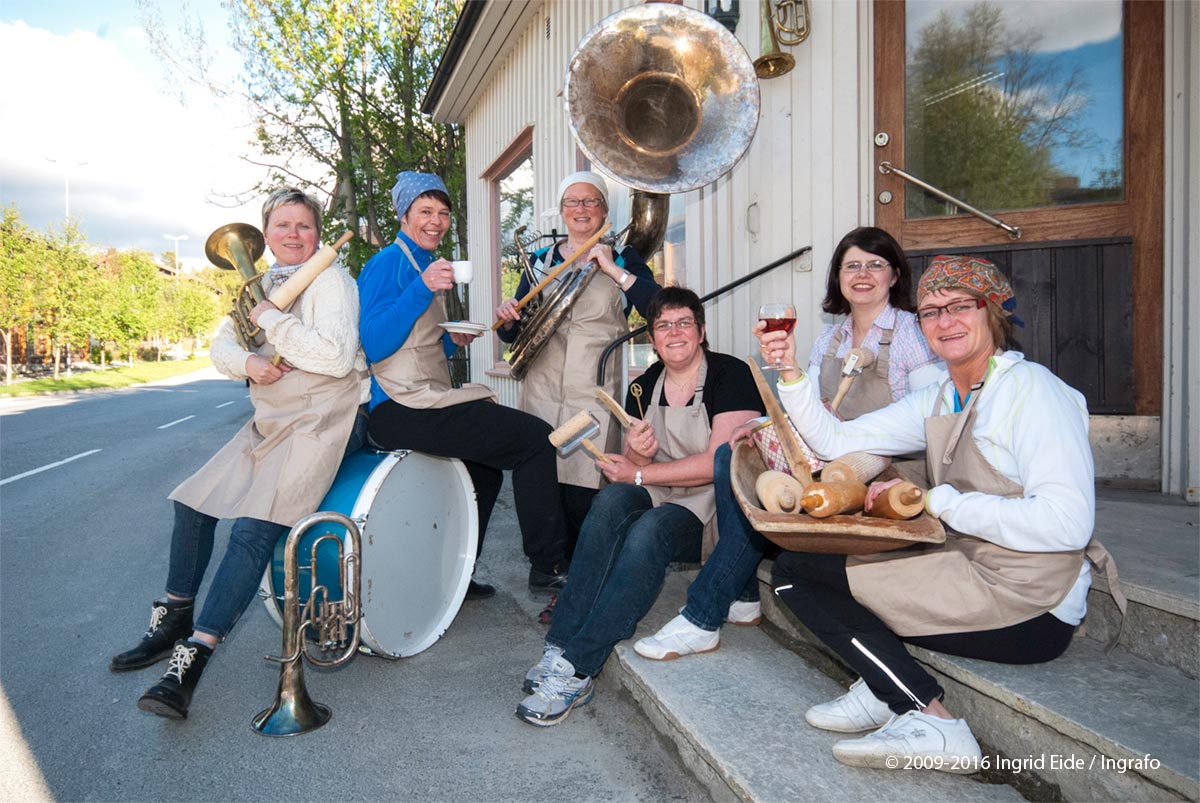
x=778 y=318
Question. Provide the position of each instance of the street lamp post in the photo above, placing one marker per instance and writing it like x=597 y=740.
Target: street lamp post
x=66 y=163
x=176 y=238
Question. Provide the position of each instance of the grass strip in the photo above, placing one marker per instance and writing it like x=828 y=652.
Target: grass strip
x=120 y=377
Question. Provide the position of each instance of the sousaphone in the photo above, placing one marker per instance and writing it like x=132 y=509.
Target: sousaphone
x=662 y=99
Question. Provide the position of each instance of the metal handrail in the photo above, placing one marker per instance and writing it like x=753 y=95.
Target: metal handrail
x=1014 y=232
x=736 y=283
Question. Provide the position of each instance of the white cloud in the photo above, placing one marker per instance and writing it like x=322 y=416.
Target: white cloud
x=153 y=167
x=1064 y=24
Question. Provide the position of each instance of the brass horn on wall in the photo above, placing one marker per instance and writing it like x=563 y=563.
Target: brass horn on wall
x=237 y=246
x=773 y=62
x=663 y=99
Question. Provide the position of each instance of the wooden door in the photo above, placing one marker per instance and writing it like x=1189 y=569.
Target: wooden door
x=1087 y=269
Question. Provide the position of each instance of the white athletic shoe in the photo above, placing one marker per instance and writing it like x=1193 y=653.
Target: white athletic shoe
x=747 y=614
x=941 y=744
x=856 y=710
x=677 y=638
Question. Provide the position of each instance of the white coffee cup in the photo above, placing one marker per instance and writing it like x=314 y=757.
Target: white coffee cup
x=462 y=271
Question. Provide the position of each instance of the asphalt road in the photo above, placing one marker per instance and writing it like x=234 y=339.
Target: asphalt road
x=83 y=551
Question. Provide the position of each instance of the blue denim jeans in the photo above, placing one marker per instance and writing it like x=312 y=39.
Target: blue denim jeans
x=251 y=544
x=729 y=572
x=618 y=569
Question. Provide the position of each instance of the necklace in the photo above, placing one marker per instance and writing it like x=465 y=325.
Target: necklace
x=688 y=384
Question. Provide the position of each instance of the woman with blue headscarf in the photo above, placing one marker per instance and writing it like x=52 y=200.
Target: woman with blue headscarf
x=413 y=404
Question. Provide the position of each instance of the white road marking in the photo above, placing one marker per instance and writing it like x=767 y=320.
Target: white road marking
x=46 y=467
x=177 y=421
x=226 y=404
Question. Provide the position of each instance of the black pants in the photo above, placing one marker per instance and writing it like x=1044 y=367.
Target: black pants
x=577 y=501
x=490 y=438
x=816 y=589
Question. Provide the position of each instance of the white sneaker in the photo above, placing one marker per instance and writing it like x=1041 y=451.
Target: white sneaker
x=856 y=710
x=747 y=614
x=677 y=638
x=534 y=676
x=944 y=744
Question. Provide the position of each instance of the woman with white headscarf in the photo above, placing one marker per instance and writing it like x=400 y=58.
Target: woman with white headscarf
x=561 y=382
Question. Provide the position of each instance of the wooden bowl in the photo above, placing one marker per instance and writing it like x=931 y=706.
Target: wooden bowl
x=839 y=535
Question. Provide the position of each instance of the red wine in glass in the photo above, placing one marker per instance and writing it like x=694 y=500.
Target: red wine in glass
x=778 y=318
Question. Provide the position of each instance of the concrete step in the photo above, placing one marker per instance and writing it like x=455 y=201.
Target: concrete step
x=1156 y=543
x=1131 y=722
x=737 y=718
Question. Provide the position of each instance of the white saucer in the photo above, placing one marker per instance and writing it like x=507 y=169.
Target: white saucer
x=464 y=327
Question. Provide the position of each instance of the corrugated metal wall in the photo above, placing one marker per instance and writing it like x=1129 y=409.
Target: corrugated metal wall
x=804 y=180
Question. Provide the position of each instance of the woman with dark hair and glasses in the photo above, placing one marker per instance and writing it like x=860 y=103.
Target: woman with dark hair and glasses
x=870 y=283
x=655 y=509
x=562 y=380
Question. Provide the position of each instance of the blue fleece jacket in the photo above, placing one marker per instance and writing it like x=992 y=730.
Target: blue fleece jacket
x=392 y=297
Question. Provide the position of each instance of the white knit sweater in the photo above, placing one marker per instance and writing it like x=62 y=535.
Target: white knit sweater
x=319 y=335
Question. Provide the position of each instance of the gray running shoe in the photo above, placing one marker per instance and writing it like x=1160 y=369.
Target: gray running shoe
x=558 y=692
x=533 y=678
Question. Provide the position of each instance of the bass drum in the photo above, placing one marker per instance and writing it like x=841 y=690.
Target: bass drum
x=419 y=528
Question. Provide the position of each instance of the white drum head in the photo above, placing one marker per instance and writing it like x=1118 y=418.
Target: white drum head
x=419 y=541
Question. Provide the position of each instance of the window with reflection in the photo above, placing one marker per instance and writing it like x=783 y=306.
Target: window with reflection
x=515 y=199
x=1014 y=105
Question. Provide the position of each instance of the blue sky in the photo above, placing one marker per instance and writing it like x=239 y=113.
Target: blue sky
x=92 y=92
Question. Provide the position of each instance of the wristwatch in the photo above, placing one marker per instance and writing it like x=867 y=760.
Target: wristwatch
x=637 y=478
x=624 y=278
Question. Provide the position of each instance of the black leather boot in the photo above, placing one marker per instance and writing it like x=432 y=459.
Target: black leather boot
x=172 y=695
x=170 y=620
x=547 y=582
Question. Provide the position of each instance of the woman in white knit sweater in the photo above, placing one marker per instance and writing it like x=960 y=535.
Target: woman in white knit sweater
x=276 y=470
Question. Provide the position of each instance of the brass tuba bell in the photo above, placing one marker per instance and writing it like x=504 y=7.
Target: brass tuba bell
x=663 y=99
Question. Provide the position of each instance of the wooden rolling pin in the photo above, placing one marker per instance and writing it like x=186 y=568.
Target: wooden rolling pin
x=778 y=492
x=902 y=501
x=822 y=499
x=856 y=466
x=299 y=281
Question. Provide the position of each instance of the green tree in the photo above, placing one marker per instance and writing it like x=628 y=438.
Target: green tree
x=334 y=89
x=137 y=297
x=22 y=253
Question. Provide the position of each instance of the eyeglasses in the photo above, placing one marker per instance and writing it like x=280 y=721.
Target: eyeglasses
x=955 y=309
x=874 y=266
x=666 y=326
x=590 y=203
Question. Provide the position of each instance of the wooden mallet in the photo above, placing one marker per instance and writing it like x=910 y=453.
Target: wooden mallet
x=577 y=432
x=857 y=360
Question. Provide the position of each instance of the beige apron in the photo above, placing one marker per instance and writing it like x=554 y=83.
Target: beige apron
x=682 y=432
x=279 y=466
x=966 y=584
x=561 y=381
x=417 y=374
x=870 y=390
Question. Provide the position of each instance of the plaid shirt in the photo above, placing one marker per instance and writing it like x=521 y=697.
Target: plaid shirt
x=908 y=353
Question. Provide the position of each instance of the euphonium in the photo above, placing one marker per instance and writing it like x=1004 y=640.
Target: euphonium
x=663 y=99
x=237 y=246
x=334 y=626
